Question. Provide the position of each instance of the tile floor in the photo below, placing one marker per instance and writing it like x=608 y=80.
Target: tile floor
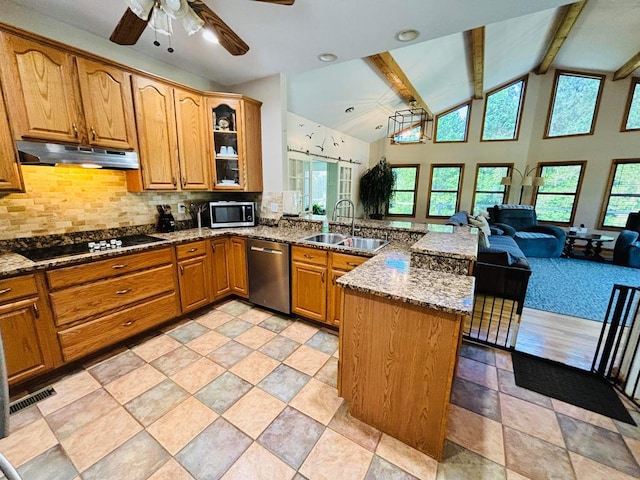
x=239 y=393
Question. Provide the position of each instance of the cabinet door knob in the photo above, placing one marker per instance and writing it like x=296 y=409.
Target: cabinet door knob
x=122 y=292
x=322 y=277
x=184 y=181
x=333 y=280
x=5 y=290
x=181 y=270
x=175 y=182
x=75 y=130
x=94 y=135
x=36 y=311
x=213 y=247
x=119 y=266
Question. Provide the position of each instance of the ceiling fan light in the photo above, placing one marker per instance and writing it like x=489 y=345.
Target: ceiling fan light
x=209 y=36
x=327 y=57
x=407 y=35
x=191 y=22
x=142 y=8
x=161 y=22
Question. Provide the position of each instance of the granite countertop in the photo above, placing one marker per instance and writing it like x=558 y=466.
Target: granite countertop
x=387 y=274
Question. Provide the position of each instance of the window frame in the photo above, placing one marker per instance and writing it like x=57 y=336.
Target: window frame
x=415 y=190
x=469 y=104
x=506 y=188
x=635 y=81
x=607 y=197
x=541 y=165
x=553 y=100
x=525 y=80
x=460 y=166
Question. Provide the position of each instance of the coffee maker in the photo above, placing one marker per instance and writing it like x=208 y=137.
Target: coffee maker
x=166 y=222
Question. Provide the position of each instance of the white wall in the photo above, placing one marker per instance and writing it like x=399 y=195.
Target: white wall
x=598 y=150
x=31 y=21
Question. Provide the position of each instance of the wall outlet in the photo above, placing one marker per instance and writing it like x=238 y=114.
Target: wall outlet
x=182 y=208
x=274 y=207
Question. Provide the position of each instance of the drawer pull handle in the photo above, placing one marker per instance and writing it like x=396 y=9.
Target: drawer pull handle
x=308 y=256
x=353 y=264
x=75 y=130
x=181 y=270
x=5 y=290
x=322 y=277
x=94 y=136
x=333 y=280
x=130 y=322
x=119 y=266
x=195 y=249
x=122 y=292
x=36 y=311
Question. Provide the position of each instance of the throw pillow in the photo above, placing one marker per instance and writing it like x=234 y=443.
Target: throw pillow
x=483 y=231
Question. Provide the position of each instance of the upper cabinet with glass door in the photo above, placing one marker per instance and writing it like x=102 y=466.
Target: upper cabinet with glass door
x=237 y=145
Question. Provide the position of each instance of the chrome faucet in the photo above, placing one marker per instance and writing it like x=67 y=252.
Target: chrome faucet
x=353 y=214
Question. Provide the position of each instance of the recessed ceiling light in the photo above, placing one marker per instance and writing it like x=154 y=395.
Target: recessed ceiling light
x=378 y=127
x=407 y=35
x=327 y=57
x=209 y=36
x=349 y=110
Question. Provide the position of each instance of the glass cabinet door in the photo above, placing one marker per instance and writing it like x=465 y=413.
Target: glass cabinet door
x=228 y=163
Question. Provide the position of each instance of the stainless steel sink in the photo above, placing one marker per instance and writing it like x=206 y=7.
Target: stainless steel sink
x=329 y=238
x=371 y=244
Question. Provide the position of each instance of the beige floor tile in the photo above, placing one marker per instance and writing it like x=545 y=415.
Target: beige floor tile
x=306 y=359
x=584 y=415
x=511 y=475
x=503 y=360
x=531 y=419
x=214 y=319
x=171 y=470
x=156 y=347
x=195 y=376
x=182 y=424
x=476 y=433
x=134 y=383
x=207 y=343
x=91 y=443
x=255 y=337
x=478 y=372
x=407 y=458
x=257 y=463
x=254 y=412
x=334 y=457
x=254 y=367
x=27 y=443
x=68 y=391
x=354 y=429
x=299 y=331
x=318 y=400
x=586 y=469
x=634 y=447
x=255 y=316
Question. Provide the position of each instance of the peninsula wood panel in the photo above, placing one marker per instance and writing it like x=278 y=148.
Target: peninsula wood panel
x=397 y=363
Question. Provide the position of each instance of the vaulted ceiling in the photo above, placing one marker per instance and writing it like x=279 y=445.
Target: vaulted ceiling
x=439 y=64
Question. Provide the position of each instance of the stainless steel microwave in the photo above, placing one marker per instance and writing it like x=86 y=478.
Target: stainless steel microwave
x=231 y=214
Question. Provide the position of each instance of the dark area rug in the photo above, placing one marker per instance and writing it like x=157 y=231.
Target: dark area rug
x=578 y=288
x=569 y=384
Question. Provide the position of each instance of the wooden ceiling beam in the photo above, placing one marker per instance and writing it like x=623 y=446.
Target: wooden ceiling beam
x=568 y=16
x=477 y=61
x=388 y=68
x=628 y=68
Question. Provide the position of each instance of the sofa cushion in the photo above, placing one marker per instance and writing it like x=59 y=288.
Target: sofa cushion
x=458 y=219
x=536 y=244
x=503 y=251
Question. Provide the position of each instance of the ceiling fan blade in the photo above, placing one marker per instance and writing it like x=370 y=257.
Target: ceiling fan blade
x=226 y=36
x=129 y=29
x=278 y=2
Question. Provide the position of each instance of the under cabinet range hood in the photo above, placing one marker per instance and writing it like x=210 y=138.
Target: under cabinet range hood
x=36 y=153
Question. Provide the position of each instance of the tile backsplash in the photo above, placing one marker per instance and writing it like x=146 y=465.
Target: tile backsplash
x=62 y=200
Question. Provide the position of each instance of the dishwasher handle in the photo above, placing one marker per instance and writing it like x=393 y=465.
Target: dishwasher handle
x=266 y=250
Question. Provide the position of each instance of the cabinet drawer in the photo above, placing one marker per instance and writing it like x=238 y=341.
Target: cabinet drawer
x=89 y=337
x=341 y=261
x=18 y=287
x=90 y=272
x=84 y=301
x=309 y=255
x=192 y=249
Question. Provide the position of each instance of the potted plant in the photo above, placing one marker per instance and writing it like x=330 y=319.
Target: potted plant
x=376 y=188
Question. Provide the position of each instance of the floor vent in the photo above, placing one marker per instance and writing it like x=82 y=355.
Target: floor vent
x=31 y=400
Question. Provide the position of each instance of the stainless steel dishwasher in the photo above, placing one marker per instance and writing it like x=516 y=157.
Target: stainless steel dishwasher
x=268 y=264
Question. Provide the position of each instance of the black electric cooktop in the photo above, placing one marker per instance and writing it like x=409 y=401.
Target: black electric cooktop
x=48 y=253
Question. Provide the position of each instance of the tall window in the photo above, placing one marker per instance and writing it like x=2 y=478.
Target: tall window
x=623 y=193
x=503 y=110
x=631 y=119
x=345 y=187
x=403 y=199
x=489 y=191
x=300 y=180
x=453 y=125
x=444 y=190
x=557 y=199
x=574 y=104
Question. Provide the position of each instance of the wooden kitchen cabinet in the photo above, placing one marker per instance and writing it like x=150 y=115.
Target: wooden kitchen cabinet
x=193 y=275
x=10 y=173
x=220 y=248
x=340 y=263
x=238 y=266
x=236 y=143
x=309 y=282
x=27 y=329
x=56 y=96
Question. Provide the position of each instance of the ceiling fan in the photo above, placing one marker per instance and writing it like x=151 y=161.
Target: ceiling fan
x=194 y=15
